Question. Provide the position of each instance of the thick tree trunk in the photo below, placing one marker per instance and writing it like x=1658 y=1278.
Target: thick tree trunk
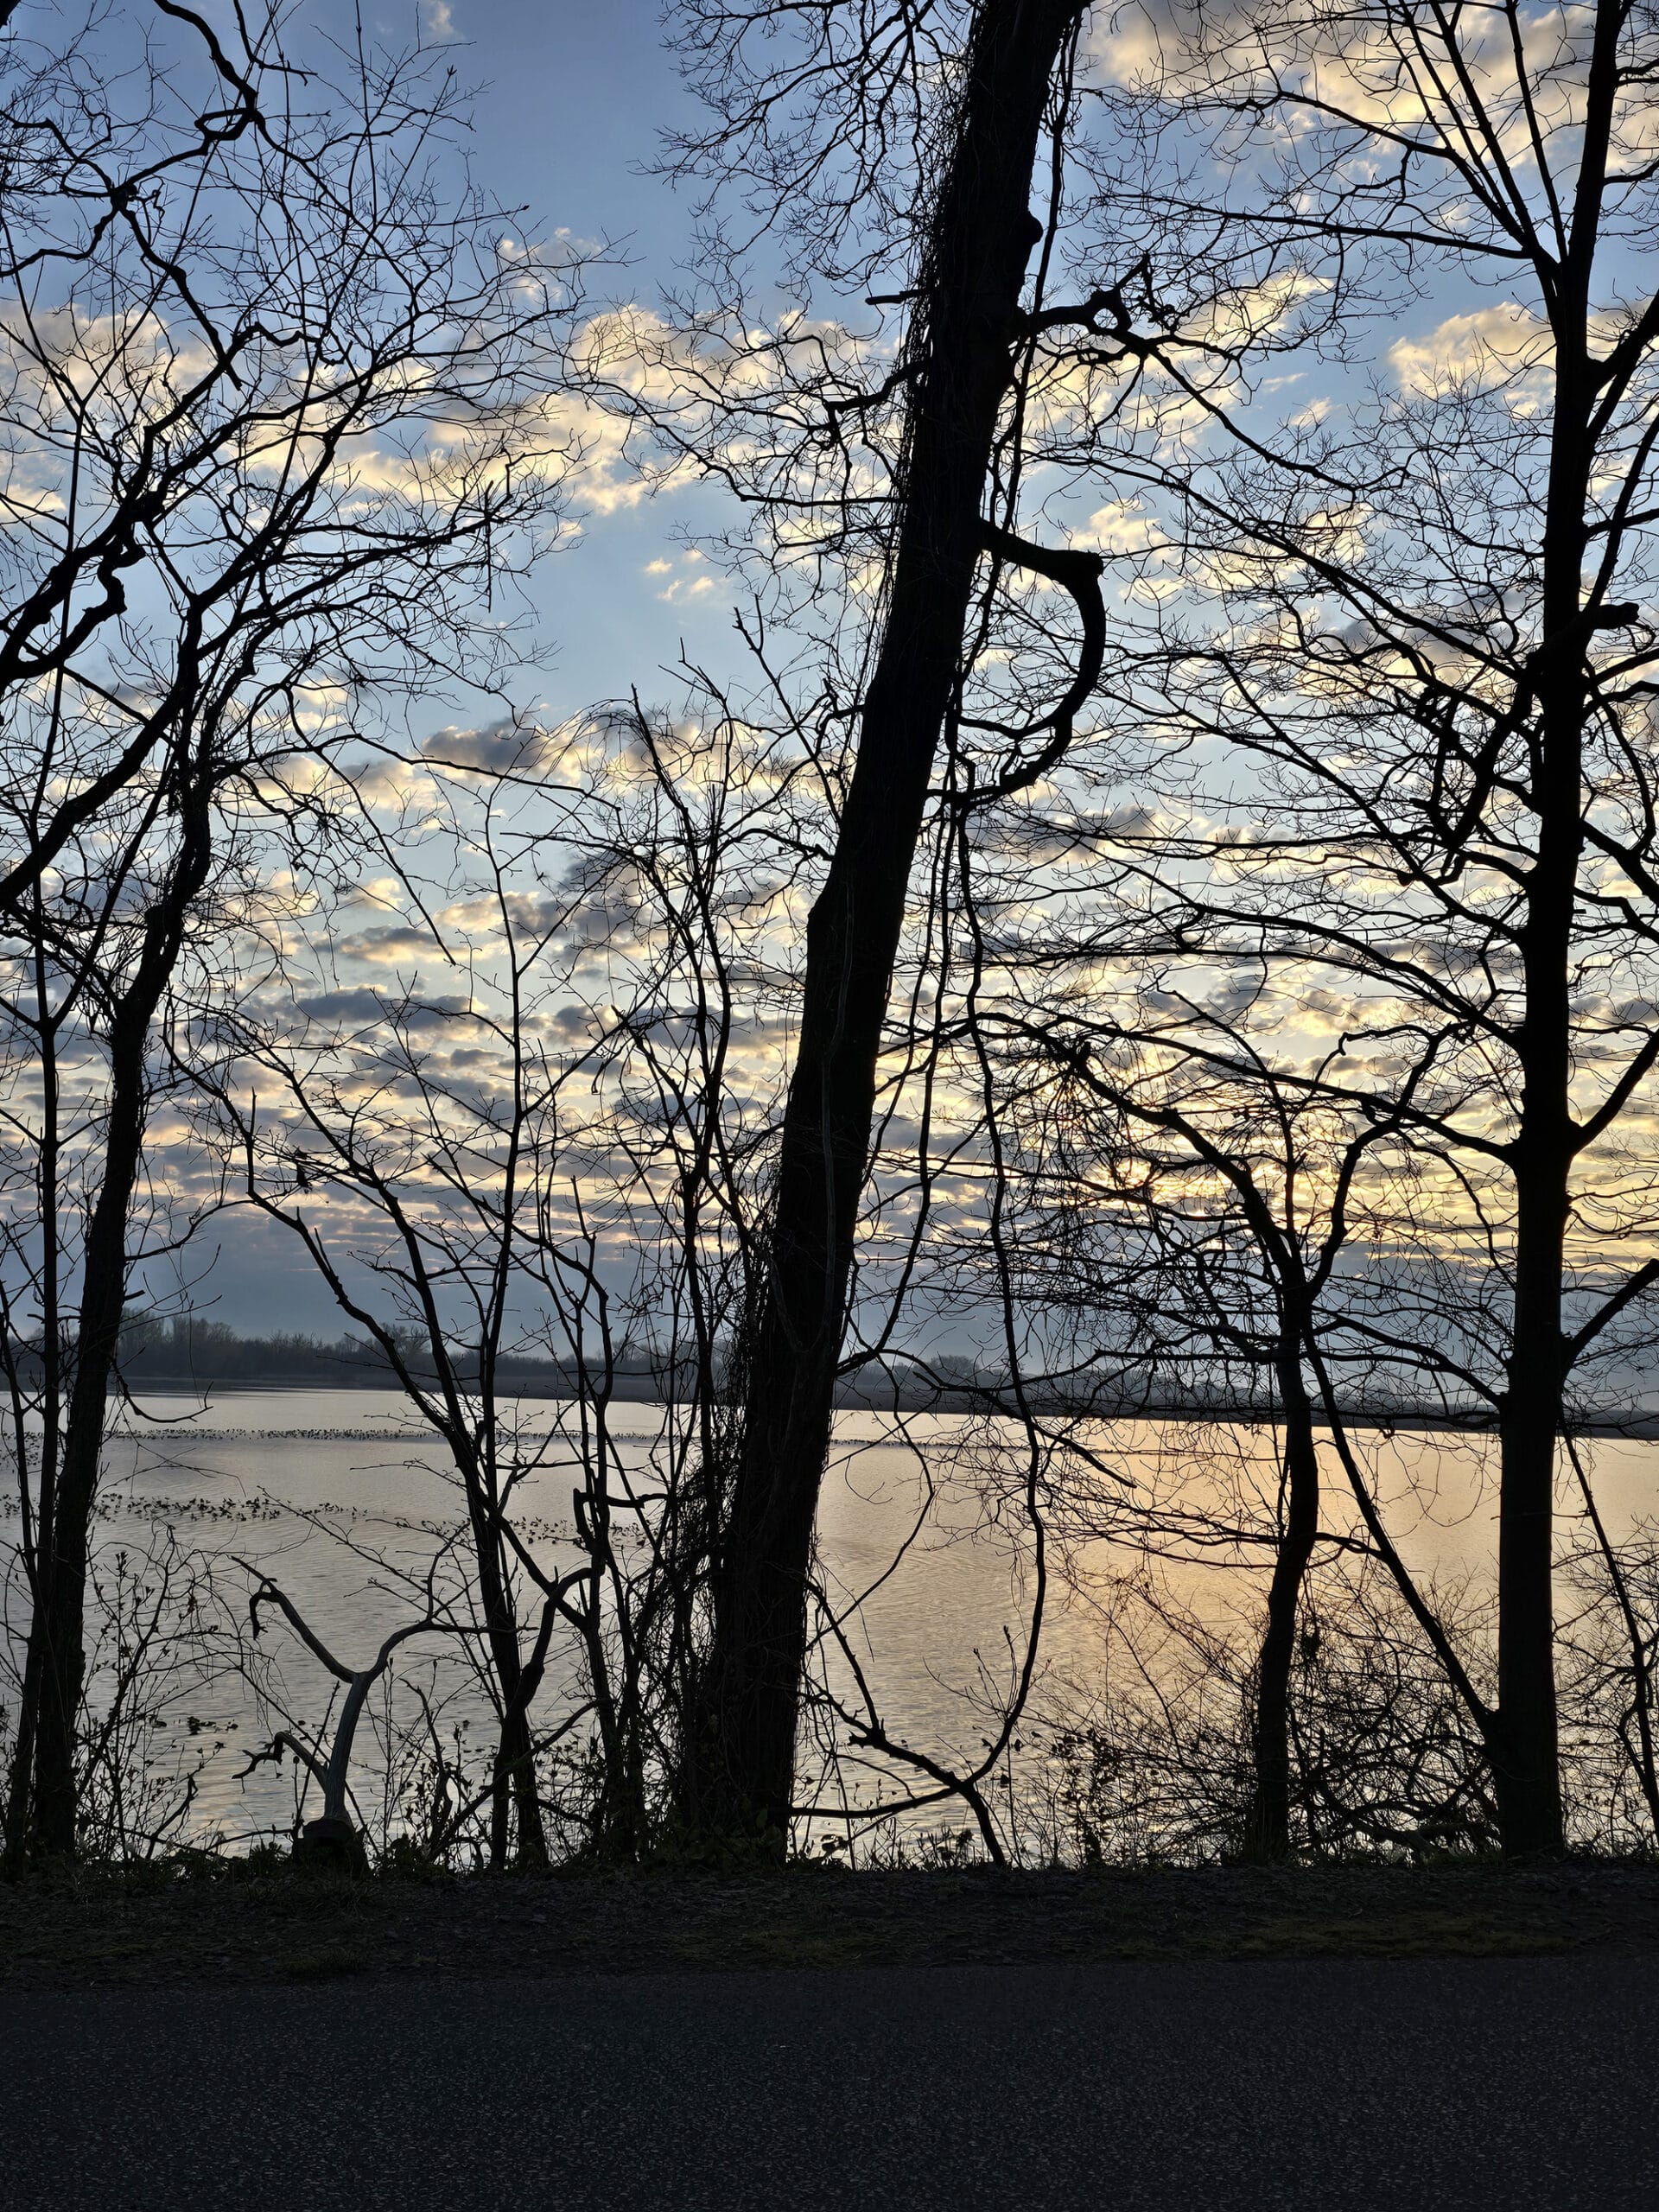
x=513 y=1775
x=1267 y=1831
x=515 y=1782
x=1526 y=1771
x=981 y=236
x=20 y=1784
x=19 y=1798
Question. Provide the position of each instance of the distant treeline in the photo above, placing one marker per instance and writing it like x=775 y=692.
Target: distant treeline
x=186 y=1351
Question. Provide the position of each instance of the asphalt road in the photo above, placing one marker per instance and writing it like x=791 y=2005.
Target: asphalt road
x=1432 y=2085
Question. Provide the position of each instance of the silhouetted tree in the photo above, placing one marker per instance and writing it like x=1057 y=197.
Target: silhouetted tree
x=223 y=305
x=1389 y=726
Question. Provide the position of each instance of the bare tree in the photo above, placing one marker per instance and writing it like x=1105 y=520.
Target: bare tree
x=448 y=1190
x=208 y=587
x=1389 y=725
x=544 y=1180
x=897 y=150
x=333 y=1833
x=834 y=138
x=1184 y=1225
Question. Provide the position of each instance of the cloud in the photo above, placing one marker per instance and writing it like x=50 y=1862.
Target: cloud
x=1123 y=527
x=1499 y=342
x=365 y=1004
x=394 y=943
x=693 y=580
x=504 y=747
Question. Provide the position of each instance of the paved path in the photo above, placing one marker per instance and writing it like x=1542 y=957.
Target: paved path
x=1496 y=2083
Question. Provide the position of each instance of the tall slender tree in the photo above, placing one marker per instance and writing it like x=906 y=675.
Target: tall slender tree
x=969 y=264
x=1428 y=671
x=220 y=306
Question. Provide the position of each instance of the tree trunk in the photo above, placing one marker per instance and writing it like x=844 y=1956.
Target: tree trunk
x=103 y=1300
x=20 y=1799
x=1268 y=1830
x=513 y=1774
x=1525 y=1766
x=60 y=1609
x=515 y=1786
x=1526 y=1769
x=20 y=1793
x=1526 y=1772
x=980 y=237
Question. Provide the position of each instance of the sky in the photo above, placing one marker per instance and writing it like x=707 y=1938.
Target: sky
x=569 y=109
x=571 y=101
x=573 y=98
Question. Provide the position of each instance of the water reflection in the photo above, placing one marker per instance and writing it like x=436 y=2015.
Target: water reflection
x=335 y=1490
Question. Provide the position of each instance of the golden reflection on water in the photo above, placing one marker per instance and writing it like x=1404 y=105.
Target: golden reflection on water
x=927 y=1512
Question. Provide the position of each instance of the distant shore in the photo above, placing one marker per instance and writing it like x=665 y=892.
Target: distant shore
x=889 y=1395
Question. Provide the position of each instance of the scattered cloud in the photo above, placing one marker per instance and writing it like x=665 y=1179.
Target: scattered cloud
x=395 y=942
x=1123 y=527
x=364 y=1004
x=504 y=747
x=690 y=578
x=1504 y=341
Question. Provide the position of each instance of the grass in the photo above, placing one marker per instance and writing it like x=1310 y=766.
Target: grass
x=183 y=1928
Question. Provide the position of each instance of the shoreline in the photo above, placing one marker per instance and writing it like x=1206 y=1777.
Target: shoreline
x=1639 y=1425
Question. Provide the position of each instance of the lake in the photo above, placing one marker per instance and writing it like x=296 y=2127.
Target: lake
x=335 y=1494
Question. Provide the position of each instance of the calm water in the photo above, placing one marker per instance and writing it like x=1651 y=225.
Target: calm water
x=335 y=1494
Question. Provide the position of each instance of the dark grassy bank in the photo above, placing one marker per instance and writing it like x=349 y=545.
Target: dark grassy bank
x=283 y=1925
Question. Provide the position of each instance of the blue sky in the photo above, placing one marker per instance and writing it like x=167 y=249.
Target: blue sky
x=570 y=104
x=573 y=98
